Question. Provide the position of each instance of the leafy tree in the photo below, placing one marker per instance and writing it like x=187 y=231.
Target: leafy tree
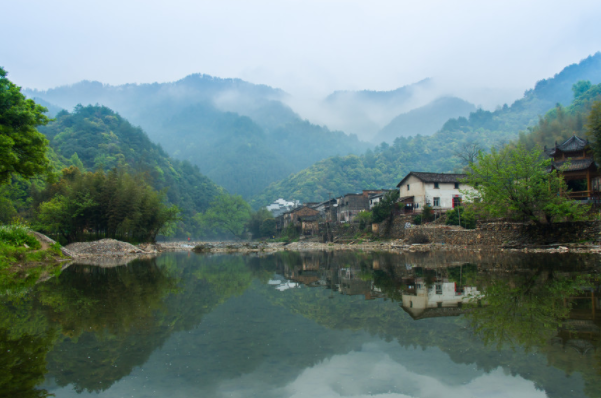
x=256 y=221
x=514 y=182
x=363 y=218
x=228 y=214
x=22 y=147
x=383 y=210
x=268 y=227
x=594 y=128
x=114 y=204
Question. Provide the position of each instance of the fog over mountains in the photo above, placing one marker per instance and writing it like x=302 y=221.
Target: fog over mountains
x=247 y=136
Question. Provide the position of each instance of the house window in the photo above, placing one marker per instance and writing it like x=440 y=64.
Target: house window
x=436 y=185
x=408 y=187
x=438 y=289
x=436 y=202
x=456 y=185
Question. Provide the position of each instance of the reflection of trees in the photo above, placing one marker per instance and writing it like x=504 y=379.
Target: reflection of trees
x=525 y=310
x=23 y=363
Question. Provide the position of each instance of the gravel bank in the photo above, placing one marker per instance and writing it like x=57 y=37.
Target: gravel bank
x=110 y=247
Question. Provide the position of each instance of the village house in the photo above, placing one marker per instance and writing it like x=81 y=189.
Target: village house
x=376 y=197
x=280 y=206
x=574 y=160
x=438 y=190
x=327 y=210
x=350 y=205
x=305 y=217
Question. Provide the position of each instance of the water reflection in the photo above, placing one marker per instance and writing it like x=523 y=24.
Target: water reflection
x=244 y=325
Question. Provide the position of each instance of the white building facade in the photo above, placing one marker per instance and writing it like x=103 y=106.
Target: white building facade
x=438 y=190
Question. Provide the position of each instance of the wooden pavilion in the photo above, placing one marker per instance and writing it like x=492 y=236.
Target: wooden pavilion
x=574 y=160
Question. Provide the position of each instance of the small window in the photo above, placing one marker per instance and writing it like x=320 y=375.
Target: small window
x=436 y=185
x=436 y=202
x=456 y=185
x=408 y=187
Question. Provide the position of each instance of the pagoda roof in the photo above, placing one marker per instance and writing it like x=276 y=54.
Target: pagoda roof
x=572 y=144
x=573 y=164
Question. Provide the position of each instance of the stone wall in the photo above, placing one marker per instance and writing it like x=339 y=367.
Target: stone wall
x=499 y=233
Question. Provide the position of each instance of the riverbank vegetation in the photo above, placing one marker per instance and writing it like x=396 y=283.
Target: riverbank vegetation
x=95 y=205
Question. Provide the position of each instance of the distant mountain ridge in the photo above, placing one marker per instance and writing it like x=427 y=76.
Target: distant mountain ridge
x=425 y=120
x=238 y=133
x=365 y=112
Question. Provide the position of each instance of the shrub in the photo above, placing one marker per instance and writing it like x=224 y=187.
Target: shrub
x=427 y=214
x=417 y=220
x=418 y=238
x=468 y=218
x=17 y=234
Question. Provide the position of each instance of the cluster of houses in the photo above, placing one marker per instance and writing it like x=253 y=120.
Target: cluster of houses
x=441 y=191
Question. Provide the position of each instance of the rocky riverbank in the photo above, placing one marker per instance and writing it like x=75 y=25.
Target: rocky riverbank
x=387 y=246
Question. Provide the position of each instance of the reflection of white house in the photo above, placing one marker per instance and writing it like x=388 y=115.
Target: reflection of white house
x=441 y=299
x=438 y=190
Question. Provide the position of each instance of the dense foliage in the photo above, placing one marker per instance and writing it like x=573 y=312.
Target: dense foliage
x=227 y=216
x=95 y=137
x=384 y=209
x=387 y=164
x=515 y=183
x=94 y=205
x=22 y=147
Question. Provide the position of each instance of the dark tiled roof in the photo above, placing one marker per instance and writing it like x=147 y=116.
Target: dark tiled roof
x=572 y=144
x=574 y=164
x=434 y=177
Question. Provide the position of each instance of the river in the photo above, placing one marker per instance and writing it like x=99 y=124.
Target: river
x=310 y=324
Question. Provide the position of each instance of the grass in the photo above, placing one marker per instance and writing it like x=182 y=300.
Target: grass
x=18 y=234
x=22 y=261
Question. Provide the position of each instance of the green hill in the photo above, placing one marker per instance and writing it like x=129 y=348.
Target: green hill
x=387 y=164
x=98 y=137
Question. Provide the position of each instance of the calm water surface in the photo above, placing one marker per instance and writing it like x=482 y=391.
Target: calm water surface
x=308 y=325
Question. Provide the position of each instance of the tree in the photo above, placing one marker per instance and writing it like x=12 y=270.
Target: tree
x=514 y=182
x=227 y=214
x=383 y=209
x=468 y=152
x=594 y=128
x=256 y=221
x=22 y=147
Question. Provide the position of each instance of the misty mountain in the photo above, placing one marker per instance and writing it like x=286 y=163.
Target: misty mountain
x=425 y=120
x=365 y=112
x=240 y=134
x=387 y=164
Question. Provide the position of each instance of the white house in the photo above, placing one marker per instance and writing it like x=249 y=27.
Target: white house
x=438 y=190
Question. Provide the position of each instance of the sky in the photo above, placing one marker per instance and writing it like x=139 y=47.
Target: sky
x=487 y=52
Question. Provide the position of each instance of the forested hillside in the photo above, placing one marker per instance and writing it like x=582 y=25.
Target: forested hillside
x=94 y=137
x=425 y=120
x=239 y=134
x=387 y=164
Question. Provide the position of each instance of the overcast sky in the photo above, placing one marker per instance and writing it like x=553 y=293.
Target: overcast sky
x=305 y=47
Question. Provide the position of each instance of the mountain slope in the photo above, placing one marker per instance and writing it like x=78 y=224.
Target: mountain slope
x=100 y=138
x=425 y=120
x=387 y=164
